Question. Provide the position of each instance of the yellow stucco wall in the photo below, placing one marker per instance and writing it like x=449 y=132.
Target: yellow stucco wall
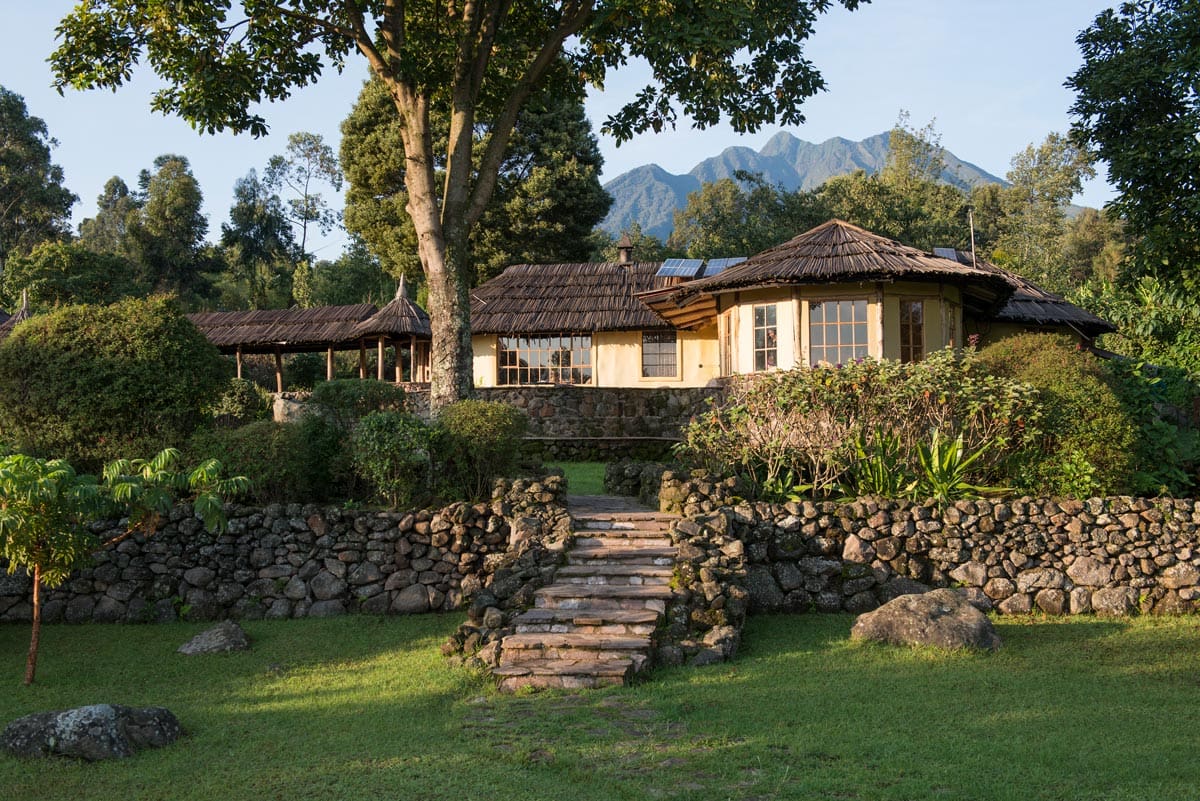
x=617 y=359
x=942 y=310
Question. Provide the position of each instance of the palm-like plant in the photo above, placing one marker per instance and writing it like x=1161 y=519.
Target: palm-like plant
x=945 y=465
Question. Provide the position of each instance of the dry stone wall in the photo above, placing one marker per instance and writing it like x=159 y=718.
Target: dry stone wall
x=1113 y=556
x=308 y=561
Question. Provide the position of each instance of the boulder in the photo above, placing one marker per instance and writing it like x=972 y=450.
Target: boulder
x=943 y=618
x=100 y=731
x=220 y=639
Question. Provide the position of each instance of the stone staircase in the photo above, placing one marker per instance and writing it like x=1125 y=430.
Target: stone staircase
x=593 y=626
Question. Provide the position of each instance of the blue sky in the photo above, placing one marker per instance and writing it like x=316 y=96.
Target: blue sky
x=989 y=72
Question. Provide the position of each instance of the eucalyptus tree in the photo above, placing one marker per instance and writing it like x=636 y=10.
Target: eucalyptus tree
x=34 y=205
x=478 y=63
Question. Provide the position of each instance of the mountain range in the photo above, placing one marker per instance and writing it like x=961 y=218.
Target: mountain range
x=650 y=196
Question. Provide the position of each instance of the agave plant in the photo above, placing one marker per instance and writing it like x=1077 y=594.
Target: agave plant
x=945 y=465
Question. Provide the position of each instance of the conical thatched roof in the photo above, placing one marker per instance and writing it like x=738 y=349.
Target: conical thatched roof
x=399 y=318
x=9 y=321
x=566 y=298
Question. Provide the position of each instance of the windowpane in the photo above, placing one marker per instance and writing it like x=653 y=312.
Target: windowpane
x=837 y=331
x=658 y=354
x=765 y=337
x=556 y=358
x=912 y=330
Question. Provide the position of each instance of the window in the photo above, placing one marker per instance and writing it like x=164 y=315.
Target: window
x=726 y=329
x=952 y=313
x=837 y=331
x=765 y=338
x=546 y=359
x=658 y=354
x=912 y=330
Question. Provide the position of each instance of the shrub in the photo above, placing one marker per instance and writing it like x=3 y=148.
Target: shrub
x=819 y=427
x=242 y=402
x=477 y=441
x=1088 y=437
x=91 y=383
x=391 y=453
x=285 y=462
x=345 y=400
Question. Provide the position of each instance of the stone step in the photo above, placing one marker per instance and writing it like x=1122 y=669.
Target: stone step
x=587 y=620
x=567 y=674
x=601 y=596
x=535 y=646
x=634 y=574
x=631 y=531
x=606 y=552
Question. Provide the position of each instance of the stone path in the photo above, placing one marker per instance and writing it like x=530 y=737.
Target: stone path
x=593 y=626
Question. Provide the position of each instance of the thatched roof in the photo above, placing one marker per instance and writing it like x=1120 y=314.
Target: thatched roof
x=1032 y=305
x=9 y=321
x=838 y=252
x=399 y=318
x=286 y=330
x=566 y=298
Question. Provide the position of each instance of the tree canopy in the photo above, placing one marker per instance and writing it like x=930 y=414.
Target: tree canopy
x=34 y=205
x=1137 y=110
x=478 y=63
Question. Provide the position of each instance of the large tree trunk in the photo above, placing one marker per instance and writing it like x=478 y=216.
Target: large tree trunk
x=31 y=661
x=448 y=273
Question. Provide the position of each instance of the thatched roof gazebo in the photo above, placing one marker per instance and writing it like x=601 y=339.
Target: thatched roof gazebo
x=400 y=321
x=324 y=328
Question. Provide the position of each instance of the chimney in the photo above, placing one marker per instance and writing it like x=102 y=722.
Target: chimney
x=625 y=250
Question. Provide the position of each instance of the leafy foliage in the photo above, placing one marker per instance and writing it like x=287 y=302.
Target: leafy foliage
x=1088 y=436
x=945 y=467
x=89 y=383
x=242 y=402
x=36 y=206
x=59 y=273
x=815 y=426
x=476 y=442
x=391 y=451
x=1136 y=110
x=258 y=247
x=344 y=400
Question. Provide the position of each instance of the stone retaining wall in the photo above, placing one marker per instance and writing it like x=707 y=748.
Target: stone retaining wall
x=308 y=561
x=1112 y=556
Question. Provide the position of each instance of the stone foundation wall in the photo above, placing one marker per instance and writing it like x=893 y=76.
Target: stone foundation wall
x=1113 y=556
x=300 y=561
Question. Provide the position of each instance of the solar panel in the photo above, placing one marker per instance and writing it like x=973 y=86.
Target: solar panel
x=946 y=253
x=680 y=268
x=715 y=266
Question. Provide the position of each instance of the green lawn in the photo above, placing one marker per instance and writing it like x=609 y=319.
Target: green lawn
x=366 y=708
x=583 y=478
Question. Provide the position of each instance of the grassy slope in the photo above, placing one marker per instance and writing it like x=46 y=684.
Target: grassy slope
x=365 y=707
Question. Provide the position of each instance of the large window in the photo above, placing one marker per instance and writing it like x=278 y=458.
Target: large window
x=658 y=355
x=912 y=330
x=766 y=337
x=837 y=331
x=547 y=359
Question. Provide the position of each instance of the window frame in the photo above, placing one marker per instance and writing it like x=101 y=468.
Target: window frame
x=769 y=350
x=535 y=353
x=839 y=325
x=911 y=350
x=660 y=351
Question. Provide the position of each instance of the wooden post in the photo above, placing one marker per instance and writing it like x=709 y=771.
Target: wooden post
x=239 y=361
x=397 y=362
x=278 y=371
x=329 y=364
x=412 y=358
x=362 y=358
x=379 y=360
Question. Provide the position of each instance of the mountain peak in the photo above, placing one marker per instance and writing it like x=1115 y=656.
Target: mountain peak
x=650 y=196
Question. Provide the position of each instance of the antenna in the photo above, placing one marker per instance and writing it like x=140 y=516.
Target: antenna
x=971 y=222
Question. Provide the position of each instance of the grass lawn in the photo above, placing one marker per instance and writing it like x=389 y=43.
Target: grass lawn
x=583 y=478
x=365 y=708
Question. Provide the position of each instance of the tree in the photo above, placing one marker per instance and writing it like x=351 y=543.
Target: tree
x=547 y=198
x=646 y=247
x=1137 y=110
x=728 y=218
x=356 y=277
x=1043 y=180
x=108 y=231
x=45 y=506
x=167 y=234
x=258 y=246
x=309 y=161
x=34 y=205
x=1092 y=247
x=59 y=273
x=477 y=64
